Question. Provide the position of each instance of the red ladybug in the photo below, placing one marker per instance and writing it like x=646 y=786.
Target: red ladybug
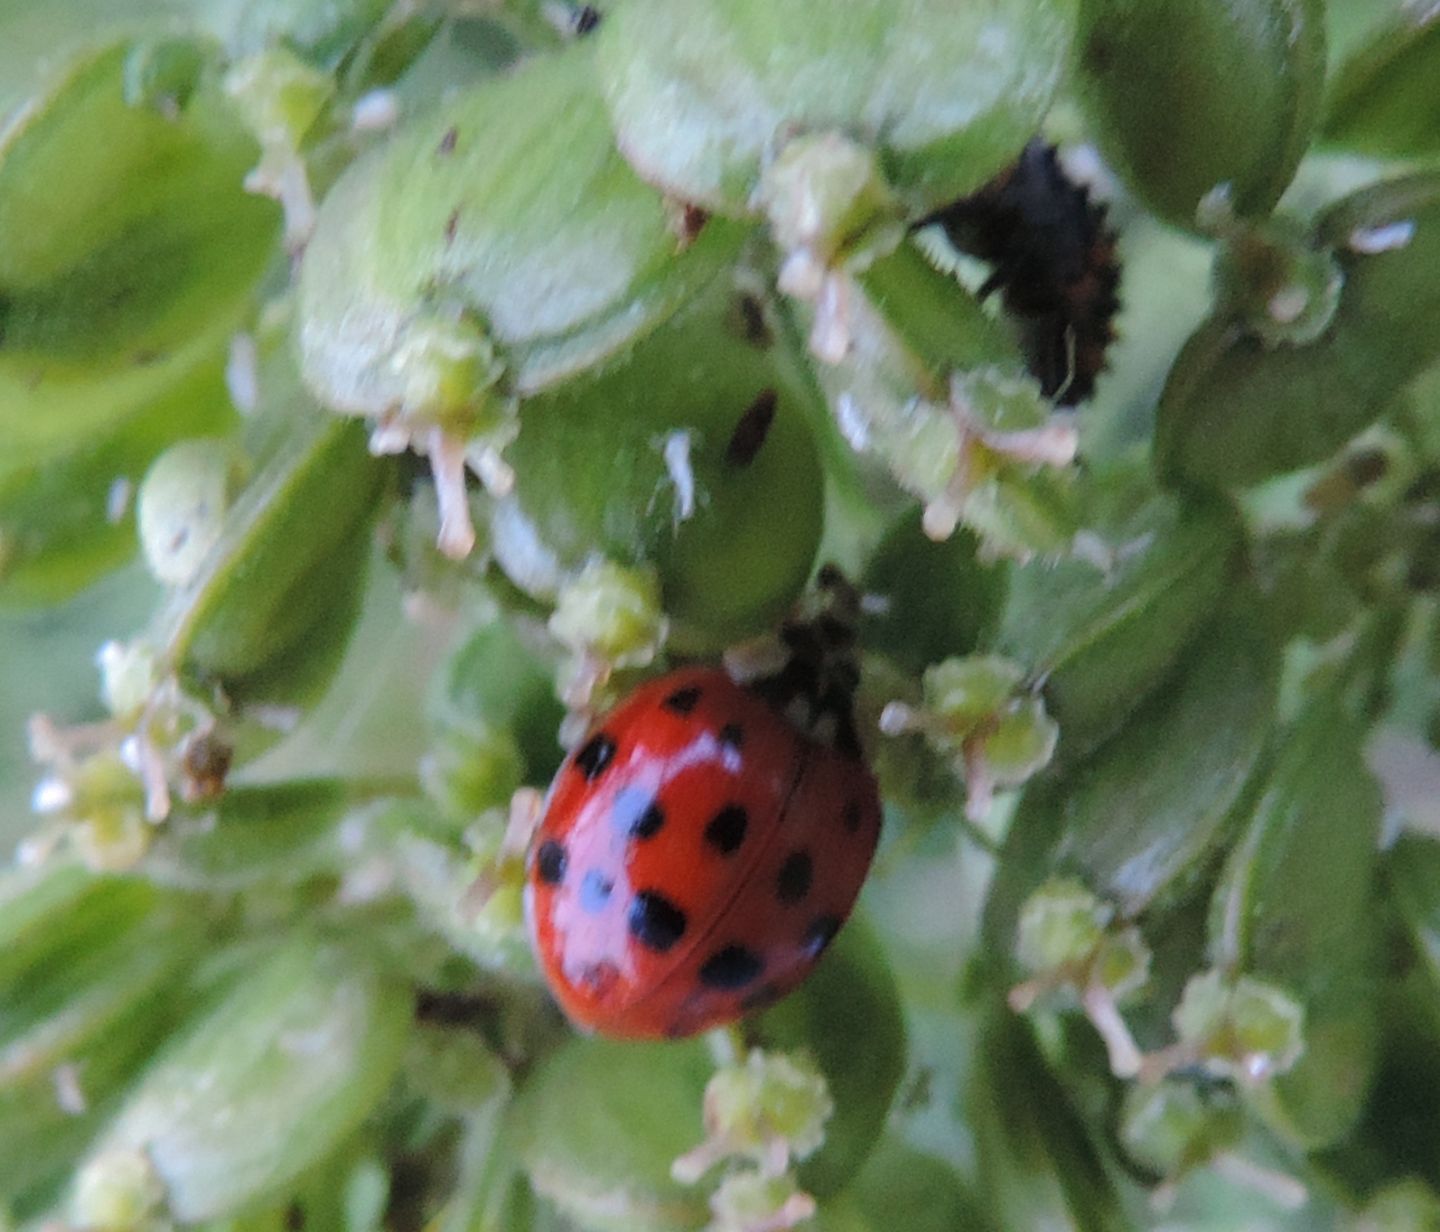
x=701 y=847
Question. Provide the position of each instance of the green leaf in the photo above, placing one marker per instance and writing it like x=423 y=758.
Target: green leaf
x=266 y=1082
x=1382 y=98
x=1235 y=412
x=608 y=1168
x=128 y=251
x=508 y=205
x=703 y=93
x=1150 y=806
x=636 y=463
x=1161 y=77
x=286 y=560
x=1037 y=1161
x=61 y=526
x=1296 y=906
x=1102 y=641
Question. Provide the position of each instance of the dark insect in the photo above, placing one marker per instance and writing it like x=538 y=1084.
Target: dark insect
x=1055 y=264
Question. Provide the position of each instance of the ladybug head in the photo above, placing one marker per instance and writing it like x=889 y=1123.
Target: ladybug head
x=816 y=685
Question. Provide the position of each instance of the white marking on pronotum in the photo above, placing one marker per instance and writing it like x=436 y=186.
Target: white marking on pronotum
x=1386 y=238
x=676 y=453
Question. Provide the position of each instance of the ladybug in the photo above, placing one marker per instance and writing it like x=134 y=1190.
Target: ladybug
x=703 y=844
x=1054 y=262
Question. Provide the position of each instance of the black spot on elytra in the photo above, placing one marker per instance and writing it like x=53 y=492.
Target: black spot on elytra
x=447 y=142
x=851 y=816
x=726 y=830
x=586 y=19
x=795 y=876
x=751 y=429
x=820 y=934
x=595 y=891
x=732 y=736
x=683 y=701
x=550 y=862
x=636 y=813
x=731 y=967
x=655 y=922
x=597 y=753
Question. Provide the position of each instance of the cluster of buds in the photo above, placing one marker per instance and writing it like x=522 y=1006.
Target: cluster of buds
x=609 y=617
x=1236 y=1028
x=978 y=713
x=108 y=783
x=766 y=1113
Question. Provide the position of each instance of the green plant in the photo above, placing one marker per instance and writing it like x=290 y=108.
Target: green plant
x=437 y=370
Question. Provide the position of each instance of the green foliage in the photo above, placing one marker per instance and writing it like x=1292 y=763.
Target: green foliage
x=643 y=326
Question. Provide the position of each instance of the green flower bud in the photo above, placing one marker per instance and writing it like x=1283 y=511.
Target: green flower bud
x=1061 y=925
x=279 y=96
x=973 y=715
x=755 y=1202
x=1165 y=1127
x=129 y=672
x=826 y=199
x=467 y=773
x=611 y=611
x=1282 y=290
x=182 y=504
x=118 y=1191
x=1122 y=963
x=1243 y=1028
x=107 y=807
x=447 y=371
x=771 y=1109
x=964 y=693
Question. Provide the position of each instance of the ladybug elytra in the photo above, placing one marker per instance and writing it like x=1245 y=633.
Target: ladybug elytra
x=702 y=846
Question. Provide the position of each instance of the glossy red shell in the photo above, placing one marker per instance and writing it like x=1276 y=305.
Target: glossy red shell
x=697 y=855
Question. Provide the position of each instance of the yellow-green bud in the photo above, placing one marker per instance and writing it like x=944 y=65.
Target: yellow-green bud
x=612 y=611
x=279 y=96
x=1061 y=924
x=117 y=1191
x=182 y=505
x=129 y=672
